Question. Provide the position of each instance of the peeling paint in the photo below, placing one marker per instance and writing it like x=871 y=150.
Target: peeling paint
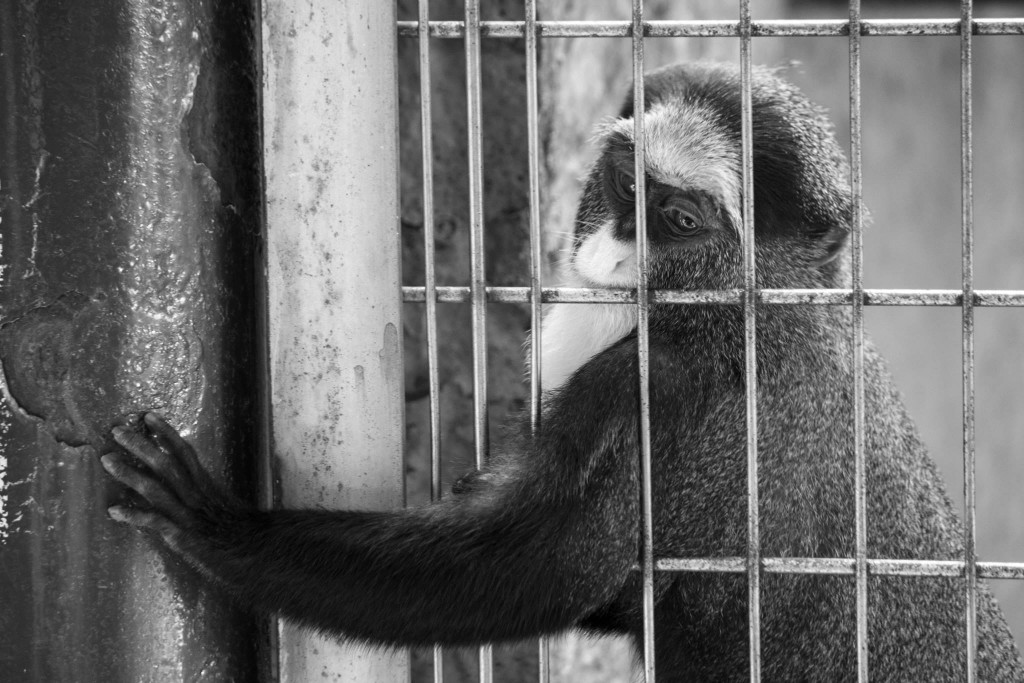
x=51 y=373
x=10 y=402
x=391 y=353
x=3 y=266
x=161 y=286
x=37 y=193
x=5 y=523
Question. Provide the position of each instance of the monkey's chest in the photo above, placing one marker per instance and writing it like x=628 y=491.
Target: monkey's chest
x=572 y=334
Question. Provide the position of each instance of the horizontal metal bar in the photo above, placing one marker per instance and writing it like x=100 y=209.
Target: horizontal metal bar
x=842 y=566
x=997 y=297
x=520 y=295
x=722 y=29
x=993 y=298
x=733 y=565
x=916 y=568
x=1000 y=570
x=805 y=565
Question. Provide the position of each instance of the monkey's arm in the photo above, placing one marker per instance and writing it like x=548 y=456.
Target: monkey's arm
x=549 y=538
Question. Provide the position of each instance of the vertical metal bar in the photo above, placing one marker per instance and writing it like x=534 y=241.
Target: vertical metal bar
x=477 y=287
x=533 y=154
x=857 y=244
x=430 y=279
x=967 y=254
x=643 y=337
x=333 y=281
x=750 y=329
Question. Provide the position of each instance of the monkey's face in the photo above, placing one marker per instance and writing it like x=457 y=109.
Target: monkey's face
x=692 y=201
x=693 y=180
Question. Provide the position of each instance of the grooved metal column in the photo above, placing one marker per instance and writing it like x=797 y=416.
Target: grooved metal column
x=335 y=334
x=127 y=130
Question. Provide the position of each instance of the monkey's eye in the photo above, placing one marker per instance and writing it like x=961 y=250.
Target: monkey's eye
x=684 y=217
x=619 y=185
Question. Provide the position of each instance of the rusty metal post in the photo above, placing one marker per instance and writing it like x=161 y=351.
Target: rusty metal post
x=129 y=211
x=333 y=289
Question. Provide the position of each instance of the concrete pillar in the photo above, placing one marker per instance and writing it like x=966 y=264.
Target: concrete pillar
x=333 y=299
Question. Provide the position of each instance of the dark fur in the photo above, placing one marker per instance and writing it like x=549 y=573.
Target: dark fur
x=546 y=537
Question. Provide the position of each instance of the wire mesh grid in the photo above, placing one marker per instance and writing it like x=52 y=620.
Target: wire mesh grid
x=478 y=293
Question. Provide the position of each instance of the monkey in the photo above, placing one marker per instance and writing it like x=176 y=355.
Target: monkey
x=546 y=537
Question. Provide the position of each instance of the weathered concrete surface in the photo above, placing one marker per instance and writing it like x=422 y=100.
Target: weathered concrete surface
x=333 y=300
x=129 y=210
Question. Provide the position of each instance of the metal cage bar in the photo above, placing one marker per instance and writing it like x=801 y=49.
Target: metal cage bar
x=843 y=566
x=536 y=258
x=724 y=29
x=643 y=340
x=429 y=277
x=477 y=267
x=967 y=304
x=753 y=564
x=857 y=248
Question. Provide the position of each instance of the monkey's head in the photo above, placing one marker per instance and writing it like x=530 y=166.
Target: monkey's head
x=802 y=203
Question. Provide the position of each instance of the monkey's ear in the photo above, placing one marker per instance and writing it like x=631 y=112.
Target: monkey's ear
x=831 y=243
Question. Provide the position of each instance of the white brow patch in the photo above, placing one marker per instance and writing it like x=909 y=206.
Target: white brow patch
x=686 y=149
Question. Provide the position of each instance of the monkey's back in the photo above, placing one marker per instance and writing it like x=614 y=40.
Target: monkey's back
x=916 y=625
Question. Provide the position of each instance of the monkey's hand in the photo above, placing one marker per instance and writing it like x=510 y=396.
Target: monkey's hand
x=182 y=504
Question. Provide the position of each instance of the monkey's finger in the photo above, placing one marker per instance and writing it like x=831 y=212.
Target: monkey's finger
x=182 y=449
x=165 y=466
x=147 y=519
x=143 y=484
